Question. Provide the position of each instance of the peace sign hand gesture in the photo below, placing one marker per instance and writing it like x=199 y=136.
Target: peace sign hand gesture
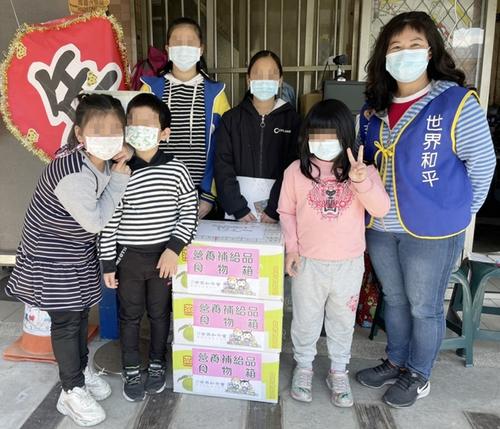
x=357 y=173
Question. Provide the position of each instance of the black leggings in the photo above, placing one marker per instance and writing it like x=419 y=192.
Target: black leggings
x=69 y=341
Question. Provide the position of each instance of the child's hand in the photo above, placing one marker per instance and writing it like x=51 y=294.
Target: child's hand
x=204 y=208
x=168 y=264
x=125 y=154
x=264 y=218
x=110 y=280
x=358 y=171
x=121 y=167
x=292 y=264
x=248 y=218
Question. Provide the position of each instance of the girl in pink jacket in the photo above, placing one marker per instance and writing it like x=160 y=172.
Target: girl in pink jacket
x=322 y=210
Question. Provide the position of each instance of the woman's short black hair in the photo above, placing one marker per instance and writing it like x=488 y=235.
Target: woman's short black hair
x=380 y=85
x=90 y=105
x=327 y=116
x=264 y=54
x=155 y=104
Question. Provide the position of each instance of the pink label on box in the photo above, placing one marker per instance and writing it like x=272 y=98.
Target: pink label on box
x=236 y=315
x=223 y=262
x=227 y=363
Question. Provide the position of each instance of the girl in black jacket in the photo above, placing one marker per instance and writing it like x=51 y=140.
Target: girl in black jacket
x=256 y=139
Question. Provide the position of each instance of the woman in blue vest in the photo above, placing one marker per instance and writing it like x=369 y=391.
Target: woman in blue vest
x=430 y=140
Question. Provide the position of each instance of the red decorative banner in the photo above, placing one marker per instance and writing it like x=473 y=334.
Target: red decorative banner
x=46 y=67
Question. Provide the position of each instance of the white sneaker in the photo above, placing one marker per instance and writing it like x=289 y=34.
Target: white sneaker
x=338 y=383
x=96 y=385
x=80 y=407
x=302 y=384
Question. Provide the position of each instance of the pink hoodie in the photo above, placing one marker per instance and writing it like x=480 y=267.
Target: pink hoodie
x=326 y=220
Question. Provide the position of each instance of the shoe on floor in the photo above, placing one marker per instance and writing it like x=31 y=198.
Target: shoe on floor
x=338 y=383
x=380 y=375
x=96 y=385
x=409 y=387
x=133 y=386
x=79 y=405
x=302 y=384
x=157 y=379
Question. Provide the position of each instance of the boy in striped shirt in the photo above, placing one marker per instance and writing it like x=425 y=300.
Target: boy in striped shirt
x=139 y=247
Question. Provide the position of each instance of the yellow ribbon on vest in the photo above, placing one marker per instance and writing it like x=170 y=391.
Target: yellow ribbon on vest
x=386 y=152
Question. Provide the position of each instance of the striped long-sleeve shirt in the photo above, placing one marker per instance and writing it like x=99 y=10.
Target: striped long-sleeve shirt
x=158 y=211
x=186 y=101
x=473 y=145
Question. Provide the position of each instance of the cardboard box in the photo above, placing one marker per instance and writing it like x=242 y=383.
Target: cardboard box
x=226 y=373
x=307 y=101
x=236 y=323
x=233 y=259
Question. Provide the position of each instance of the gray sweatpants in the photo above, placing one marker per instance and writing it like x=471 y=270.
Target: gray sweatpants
x=329 y=291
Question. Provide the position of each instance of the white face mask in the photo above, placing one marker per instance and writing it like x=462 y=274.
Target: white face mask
x=141 y=137
x=407 y=65
x=104 y=148
x=326 y=150
x=184 y=57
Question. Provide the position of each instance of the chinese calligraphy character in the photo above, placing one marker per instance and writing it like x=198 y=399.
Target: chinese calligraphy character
x=234 y=257
x=222 y=256
x=432 y=139
x=250 y=372
x=253 y=324
x=429 y=177
x=434 y=123
x=228 y=309
x=253 y=311
x=247 y=258
x=222 y=270
x=247 y=271
x=198 y=255
x=429 y=159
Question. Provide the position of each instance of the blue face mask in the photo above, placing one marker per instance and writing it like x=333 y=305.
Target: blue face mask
x=264 y=89
x=407 y=65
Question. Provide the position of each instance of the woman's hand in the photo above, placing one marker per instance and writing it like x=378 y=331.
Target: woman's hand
x=292 y=264
x=358 y=171
x=168 y=264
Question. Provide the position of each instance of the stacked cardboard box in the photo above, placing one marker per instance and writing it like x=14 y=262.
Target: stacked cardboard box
x=228 y=312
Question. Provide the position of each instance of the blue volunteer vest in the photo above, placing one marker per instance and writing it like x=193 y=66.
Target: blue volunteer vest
x=432 y=191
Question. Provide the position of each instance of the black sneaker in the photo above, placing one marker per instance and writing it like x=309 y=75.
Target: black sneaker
x=157 y=380
x=409 y=387
x=133 y=387
x=379 y=376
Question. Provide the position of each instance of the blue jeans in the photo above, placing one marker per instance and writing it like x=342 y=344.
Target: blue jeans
x=414 y=274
